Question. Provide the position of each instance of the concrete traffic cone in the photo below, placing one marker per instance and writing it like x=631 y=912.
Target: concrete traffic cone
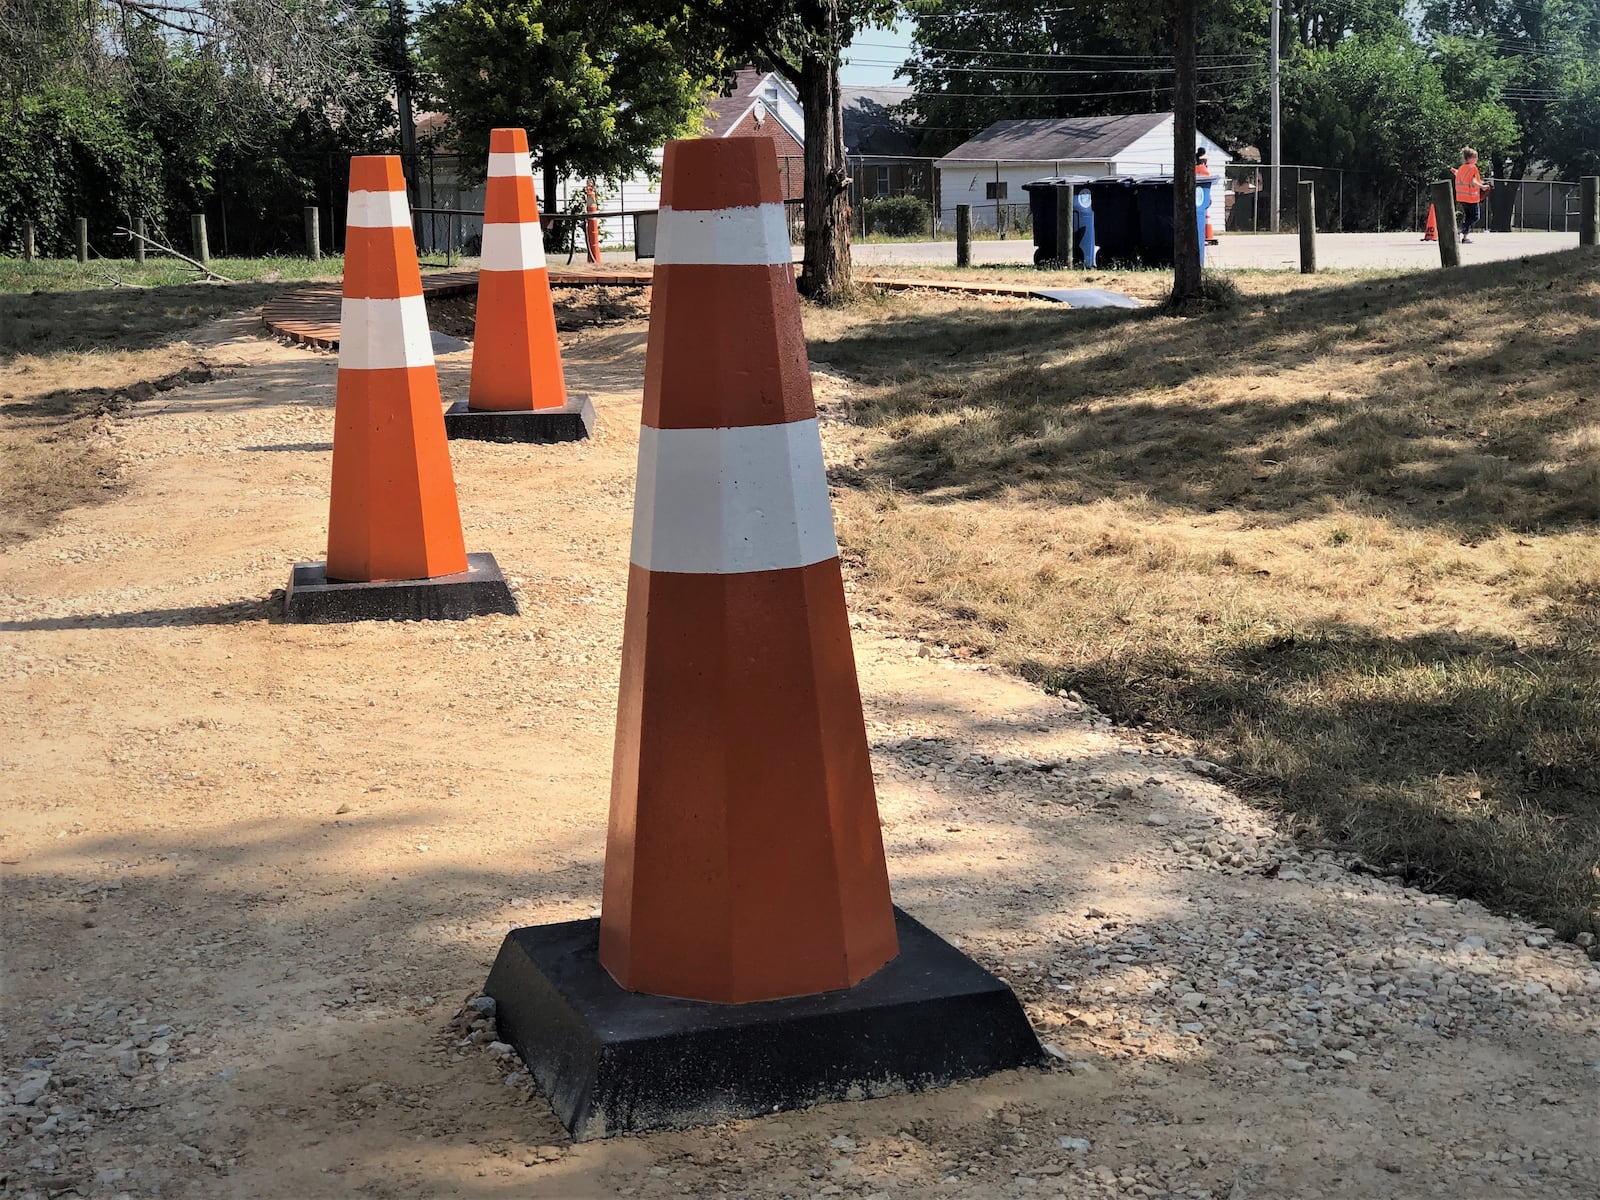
x=744 y=860
x=518 y=390
x=1431 y=232
x=395 y=547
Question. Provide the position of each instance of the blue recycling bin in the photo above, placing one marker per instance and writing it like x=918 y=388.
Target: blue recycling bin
x=1046 y=237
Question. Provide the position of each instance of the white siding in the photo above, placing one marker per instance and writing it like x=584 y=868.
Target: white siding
x=963 y=184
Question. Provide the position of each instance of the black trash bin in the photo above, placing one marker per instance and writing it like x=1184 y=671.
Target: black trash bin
x=1135 y=220
x=1116 y=221
x=1042 y=194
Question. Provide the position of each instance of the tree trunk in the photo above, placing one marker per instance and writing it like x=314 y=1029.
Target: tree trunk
x=1186 y=244
x=547 y=203
x=825 y=275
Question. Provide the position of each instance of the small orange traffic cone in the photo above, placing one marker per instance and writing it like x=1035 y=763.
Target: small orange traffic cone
x=744 y=860
x=392 y=514
x=1431 y=232
x=591 y=227
x=518 y=390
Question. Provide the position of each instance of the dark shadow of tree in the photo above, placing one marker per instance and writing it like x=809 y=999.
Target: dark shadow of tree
x=1361 y=395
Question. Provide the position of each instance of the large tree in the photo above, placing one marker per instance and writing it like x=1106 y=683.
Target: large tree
x=598 y=85
x=803 y=40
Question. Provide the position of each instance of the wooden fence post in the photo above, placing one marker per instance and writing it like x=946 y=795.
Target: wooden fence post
x=1443 y=196
x=313 y=218
x=1589 y=210
x=138 y=241
x=28 y=247
x=963 y=235
x=197 y=234
x=1064 y=224
x=1308 y=228
x=82 y=224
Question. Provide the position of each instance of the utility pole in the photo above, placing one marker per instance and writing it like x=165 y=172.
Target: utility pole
x=1277 y=128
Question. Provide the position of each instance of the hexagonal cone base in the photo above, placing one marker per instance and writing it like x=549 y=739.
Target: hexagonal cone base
x=572 y=422
x=476 y=592
x=614 y=1062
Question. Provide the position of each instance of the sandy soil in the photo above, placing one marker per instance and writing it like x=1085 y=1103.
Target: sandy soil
x=251 y=871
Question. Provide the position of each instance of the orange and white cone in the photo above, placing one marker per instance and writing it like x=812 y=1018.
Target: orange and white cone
x=516 y=360
x=744 y=860
x=393 y=513
x=1431 y=232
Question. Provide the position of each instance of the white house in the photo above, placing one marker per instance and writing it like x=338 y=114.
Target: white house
x=988 y=170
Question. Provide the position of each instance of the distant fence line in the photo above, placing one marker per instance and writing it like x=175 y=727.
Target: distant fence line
x=448 y=224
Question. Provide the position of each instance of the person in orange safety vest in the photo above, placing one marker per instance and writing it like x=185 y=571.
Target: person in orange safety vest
x=1470 y=187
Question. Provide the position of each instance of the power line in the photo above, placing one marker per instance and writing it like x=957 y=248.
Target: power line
x=873 y=62
x=1041 y=53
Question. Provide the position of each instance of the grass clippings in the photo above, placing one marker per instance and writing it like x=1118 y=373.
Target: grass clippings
x=1342 y=535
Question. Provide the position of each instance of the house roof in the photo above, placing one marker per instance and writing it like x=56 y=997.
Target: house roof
x=1068 y=138
x=724 y=113
x=872 y=124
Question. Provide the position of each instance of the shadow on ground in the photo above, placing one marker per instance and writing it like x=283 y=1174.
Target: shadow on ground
x=1464 y=402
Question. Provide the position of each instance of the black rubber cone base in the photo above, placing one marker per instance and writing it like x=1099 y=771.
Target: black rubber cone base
x=475 y=592
x=613 y=1061
x=571 y=422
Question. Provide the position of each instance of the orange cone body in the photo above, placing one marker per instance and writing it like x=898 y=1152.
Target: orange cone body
x=1431 y=233
x=744 y=859
x=591 y=227
x=516 y=361
x=393 y=512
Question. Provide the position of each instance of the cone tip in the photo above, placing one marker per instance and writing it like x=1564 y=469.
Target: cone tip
x=508 y=141
x=713 y=173
x=376 y=173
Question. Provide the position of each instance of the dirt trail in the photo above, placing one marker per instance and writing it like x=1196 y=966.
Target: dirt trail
x=252 y=869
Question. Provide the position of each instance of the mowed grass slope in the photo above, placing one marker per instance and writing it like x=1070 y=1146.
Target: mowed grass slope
x=1342 y=537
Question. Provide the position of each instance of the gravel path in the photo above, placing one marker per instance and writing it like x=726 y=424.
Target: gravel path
x=251 y=872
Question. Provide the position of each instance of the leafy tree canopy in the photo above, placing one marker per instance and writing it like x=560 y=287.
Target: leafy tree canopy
x=597 y=85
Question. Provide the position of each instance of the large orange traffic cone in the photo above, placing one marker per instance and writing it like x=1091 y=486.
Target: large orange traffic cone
x=744 y=860
x=518 y=390
x=392 y=515
x=1430 y=233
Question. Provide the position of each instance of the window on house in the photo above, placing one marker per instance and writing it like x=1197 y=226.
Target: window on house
x=771 y=94
x=882 y=182
x=994 y=191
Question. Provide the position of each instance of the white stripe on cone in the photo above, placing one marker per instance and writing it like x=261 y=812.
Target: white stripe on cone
x=378 y=210
x=379 y=334
x=726 y=501
x=517 y=247
x=502 y=163
x=733 y=237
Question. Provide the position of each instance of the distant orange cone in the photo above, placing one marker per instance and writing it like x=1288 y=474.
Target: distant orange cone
x=591 y=227
x=1431 y=232
x=744 y=860
x=393 y=513
x=516 y=361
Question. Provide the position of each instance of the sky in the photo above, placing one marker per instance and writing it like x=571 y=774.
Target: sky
x=872 y=60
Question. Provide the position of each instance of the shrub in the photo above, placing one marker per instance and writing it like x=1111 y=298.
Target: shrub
x=897 y=216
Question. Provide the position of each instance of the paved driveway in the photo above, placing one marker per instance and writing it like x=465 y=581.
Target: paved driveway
x=1263 y=251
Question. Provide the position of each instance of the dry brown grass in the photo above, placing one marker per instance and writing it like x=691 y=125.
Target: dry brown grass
x=1342 y=536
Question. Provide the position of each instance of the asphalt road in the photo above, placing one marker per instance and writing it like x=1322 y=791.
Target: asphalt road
x=1260 y=251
